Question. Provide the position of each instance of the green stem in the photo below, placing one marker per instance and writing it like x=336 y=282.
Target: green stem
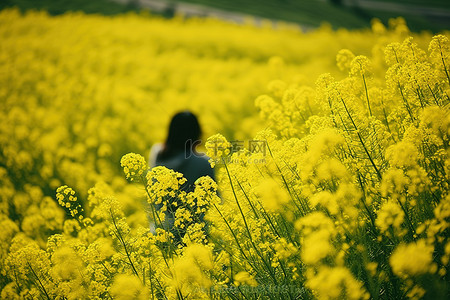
x=443 y=62
x=237 y=202
x=303 y=204
x=248 y=200
x=420 y=96
x=432 y=93
x=361 y=141
x=267 y=218
x=282 y=177
x=122 y=241
x=246 y=225
x=332 y=112
x=157 y=218
x=386 y=119
x=408 y=108
x=39 y=281
x=16 y=281
x=408 y=220
x=179 y=295
x=367 y=94
x=109 y=272
x=372 y=219
x=232 y=232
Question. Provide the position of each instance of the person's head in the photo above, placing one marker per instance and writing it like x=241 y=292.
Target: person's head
x=183 y=127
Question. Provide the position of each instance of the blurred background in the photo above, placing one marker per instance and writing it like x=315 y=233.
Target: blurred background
x=432 y=15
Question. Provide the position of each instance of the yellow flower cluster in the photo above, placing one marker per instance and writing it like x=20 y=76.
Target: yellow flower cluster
x=336 y=283
x=66 y=198
x=128 y=287
x=134 y=166
x=163 y=182
x=272 y=196
x=389 y=215
x=420 y=252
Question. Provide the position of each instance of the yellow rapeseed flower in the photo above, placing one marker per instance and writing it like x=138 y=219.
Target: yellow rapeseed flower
x=419 y=252
x=134 y=166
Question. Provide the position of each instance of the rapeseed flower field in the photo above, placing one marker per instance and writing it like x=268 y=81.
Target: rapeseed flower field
x=331 y=151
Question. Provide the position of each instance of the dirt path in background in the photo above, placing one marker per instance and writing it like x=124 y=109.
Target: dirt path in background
x=189 y=9
x=411 y=9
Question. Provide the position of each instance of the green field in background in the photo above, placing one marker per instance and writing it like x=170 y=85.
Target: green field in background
x=306 y=12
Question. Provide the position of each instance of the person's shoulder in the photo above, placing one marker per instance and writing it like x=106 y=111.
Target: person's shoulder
x=204 y=163
x=200 y=162
x=157 y=147
x=200 y=158
x=154 y=151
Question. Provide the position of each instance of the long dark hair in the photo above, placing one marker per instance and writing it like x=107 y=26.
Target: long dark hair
x=183 y=127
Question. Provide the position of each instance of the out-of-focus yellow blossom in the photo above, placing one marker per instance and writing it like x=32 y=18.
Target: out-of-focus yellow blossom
x=348 y=198
x=378 y=27
x=446 y=257
x=244 y=277
x=201 y=255
x=189 y=274
x=9 y=230
x=399 y=184
x=128 y=287
x=442 y=211
x=435 y=228
x=272 y=196
x=335 y=283
x=318 y=231
x=372 y=268
x=284 y=249
x=71 y=227
x=326 y=200
x=325 y=142
x=344 y=59
x=402 y=154
x=420 y=252
x=277 y=87
x=394 y=182
x=390 y=214
x=399 y=25
x=437 y=119
x=316 y=246
x=267 y=105
x=332 y=169
x=66 y=264
x=10 y=291
x=416 y=293
x=314 y=221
